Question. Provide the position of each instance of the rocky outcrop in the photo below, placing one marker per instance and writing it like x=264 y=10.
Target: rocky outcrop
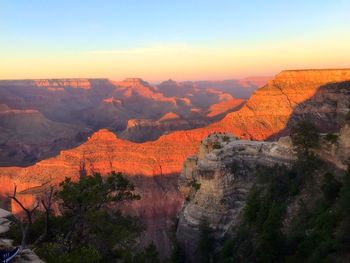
x=215 y=184
x=320 y=96
x=25 y=255
x=343 y=150
x=216 y=181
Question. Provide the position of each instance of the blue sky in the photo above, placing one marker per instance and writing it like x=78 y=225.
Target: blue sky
x=49 y=33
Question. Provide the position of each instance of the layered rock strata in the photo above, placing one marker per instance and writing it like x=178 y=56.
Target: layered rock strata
x=215 y=184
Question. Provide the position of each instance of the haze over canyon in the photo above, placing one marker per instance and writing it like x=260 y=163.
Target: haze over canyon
x=174 y=131
x=53 y=127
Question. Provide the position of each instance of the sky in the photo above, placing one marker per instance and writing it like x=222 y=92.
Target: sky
x=177 y=39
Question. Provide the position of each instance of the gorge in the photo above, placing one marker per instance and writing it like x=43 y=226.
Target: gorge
x=93 y=119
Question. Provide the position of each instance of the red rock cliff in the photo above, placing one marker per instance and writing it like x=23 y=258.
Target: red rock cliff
x=266 y=113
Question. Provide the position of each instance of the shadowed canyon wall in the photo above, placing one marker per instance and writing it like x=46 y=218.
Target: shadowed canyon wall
x=321 y=95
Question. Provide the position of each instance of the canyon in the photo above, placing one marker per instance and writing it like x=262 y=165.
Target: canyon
x=38 y=118
x=320 y=96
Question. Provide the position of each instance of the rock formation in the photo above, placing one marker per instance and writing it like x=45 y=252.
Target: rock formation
x=70 y=109
x=319 y=95
x=223 y=171
x=104 y=152
x=216 y=181
x=266 y=114
x=25 y=255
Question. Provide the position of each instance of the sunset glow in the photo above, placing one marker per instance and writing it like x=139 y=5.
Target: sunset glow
x=155 y=40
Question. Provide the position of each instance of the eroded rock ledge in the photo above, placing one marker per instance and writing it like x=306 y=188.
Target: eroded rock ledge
x=215 y=183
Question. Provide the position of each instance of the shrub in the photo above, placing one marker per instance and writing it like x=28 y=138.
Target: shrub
x=332 y=138
x=330 y=187
x=226 y=138
x=195 y=184
x=217 y=145
x=305 y=136
x=52 y=252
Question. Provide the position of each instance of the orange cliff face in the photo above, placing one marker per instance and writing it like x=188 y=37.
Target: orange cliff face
x=266 y=113
x=291 y=93
x=104 y=152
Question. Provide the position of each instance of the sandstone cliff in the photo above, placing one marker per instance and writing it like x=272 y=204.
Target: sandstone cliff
x=223 y=171
x=264 y=115
x=322 y=96
x=215 y=182
x=104 y=152
x=61 y=110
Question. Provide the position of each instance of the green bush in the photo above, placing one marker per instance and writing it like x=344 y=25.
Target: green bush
x=226 y=138
x=196 y=186
x=330 y=187
x=88 y=229
x=318 y=232
x=53 y=253
x=217 y=145
x=332 y=138
x=305 y=137
x=148 y=255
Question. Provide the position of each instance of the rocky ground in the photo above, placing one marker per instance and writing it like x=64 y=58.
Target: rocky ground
x=25 y=255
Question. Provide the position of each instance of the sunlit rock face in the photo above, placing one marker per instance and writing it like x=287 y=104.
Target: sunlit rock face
x=224 y=170
x=317 y=95
x=215 y=183
x=63 y=112
x=104 y=152
x=265 y=114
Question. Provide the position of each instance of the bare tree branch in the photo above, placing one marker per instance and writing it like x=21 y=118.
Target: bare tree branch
x=29 y=214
